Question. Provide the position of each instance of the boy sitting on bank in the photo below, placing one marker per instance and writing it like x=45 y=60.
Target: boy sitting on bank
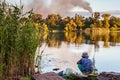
x=85 y=64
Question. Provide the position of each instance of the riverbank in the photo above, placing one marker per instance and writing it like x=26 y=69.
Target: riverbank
x=54 y=76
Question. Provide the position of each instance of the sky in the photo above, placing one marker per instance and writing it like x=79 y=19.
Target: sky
x=70 y=7
x=96 y=5
x=105 y=5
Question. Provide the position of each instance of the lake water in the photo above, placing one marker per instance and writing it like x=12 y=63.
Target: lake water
x=63 y=50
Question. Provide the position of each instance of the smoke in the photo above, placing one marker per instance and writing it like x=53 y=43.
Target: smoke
x=46 y=7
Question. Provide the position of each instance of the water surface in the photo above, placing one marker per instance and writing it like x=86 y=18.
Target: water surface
x=63 y=50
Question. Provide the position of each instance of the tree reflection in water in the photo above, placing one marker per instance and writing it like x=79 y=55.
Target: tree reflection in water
x=55 y=39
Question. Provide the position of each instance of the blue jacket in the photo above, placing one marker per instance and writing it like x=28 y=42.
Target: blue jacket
x=86 y=65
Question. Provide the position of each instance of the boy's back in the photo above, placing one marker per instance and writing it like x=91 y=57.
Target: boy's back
x=86 y=65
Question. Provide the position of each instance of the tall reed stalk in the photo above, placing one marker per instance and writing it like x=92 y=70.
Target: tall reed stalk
x=18 y=42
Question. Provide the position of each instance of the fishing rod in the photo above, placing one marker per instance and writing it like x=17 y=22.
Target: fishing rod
x=94 y=67
x=43 y=49
x=93 y=59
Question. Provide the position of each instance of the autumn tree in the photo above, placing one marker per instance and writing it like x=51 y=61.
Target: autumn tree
x=54 y=21
x=79 y=21
x=114 y=22
x=106 y=20
x=71 y=26
x=37 y=18
x=45 y=27
x=88 y=22
x=66 y=19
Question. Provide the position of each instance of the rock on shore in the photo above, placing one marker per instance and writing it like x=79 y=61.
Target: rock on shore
x=109 y=76
x=47 y=76
x=101 y=76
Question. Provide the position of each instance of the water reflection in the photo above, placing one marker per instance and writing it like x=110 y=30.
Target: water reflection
x=55 y=39
x=66 y=47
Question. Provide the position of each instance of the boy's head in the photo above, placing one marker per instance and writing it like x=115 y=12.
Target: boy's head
x=85 y=55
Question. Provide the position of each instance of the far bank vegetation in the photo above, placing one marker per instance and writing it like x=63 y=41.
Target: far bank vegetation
x=96 y=23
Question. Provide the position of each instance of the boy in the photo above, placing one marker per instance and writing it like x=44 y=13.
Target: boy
x=85 y=64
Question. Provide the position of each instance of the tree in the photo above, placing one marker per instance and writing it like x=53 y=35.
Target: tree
x=114 y=22
x=37 y=18
x=79 y=21
x=106 y=16
x=106 y=20
x=71 y=26
x=88 y=22
x=54 y=21
x=45 y=27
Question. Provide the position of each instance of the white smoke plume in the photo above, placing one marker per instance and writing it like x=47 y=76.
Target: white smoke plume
x=46 y=7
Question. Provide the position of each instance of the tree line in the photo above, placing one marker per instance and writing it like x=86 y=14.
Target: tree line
x=77 y=22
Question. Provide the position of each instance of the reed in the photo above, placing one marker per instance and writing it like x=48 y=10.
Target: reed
x=18 y=42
